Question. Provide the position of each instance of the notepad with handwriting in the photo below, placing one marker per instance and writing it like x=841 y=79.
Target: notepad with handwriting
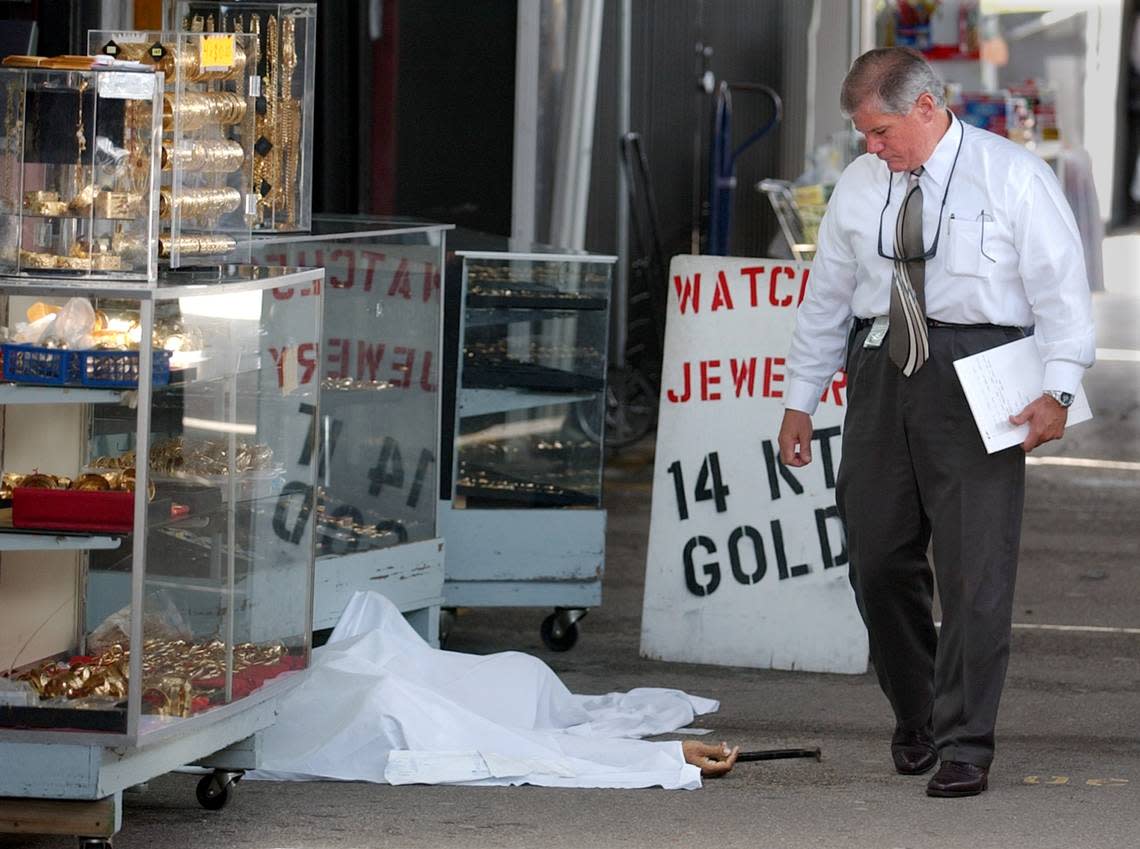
x=1000 y=383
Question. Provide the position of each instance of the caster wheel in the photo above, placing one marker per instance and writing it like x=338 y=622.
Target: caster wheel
x=556 y=635
x=214 y=792
x=94 y=843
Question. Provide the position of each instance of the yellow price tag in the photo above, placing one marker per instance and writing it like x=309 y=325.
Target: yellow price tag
x=216 y=52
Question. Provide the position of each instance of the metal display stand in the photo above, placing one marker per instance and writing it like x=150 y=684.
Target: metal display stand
x=379 y=429
x=523 y=514
x=215 y=563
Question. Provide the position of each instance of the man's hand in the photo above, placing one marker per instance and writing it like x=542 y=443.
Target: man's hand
x=795 y=438
x=1046 y=419
x=713 y=760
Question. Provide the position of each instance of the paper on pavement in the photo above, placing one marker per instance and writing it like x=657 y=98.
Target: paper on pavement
x=1000 y=383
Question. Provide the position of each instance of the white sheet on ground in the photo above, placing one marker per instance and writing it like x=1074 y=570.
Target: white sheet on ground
x=379 y=704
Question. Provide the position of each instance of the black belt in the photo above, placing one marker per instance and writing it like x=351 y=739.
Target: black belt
x=861 y=323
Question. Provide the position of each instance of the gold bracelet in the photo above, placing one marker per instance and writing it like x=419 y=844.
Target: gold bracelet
x=195 y=245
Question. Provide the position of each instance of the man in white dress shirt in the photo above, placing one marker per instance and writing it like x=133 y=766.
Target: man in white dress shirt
x=988 y=250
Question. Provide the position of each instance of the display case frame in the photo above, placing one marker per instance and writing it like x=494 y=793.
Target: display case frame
x=538 y=546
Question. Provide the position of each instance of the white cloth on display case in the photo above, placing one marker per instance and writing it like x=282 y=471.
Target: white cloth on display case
x=379 y=704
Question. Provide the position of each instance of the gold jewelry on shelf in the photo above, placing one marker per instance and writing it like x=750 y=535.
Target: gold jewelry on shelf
x=290 y=117
x=44 y=203
x=91 y=482
x=240 y=78
x=196 y=110
x=199 y=203
x=13 y=124
x=211 y=245
x=138 y=114
x=33 y=259
x=80 y=136
x=80 y=260
x=195 y=245
x=117 y=205
x=260 y=173
x=83 y=199
x=270 y=129
x=211 y=156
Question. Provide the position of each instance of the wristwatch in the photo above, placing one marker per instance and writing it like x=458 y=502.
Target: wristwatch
x=1065 y=399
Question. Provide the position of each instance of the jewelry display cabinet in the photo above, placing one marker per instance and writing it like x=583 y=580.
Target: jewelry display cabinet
x=79 y=155
x=156 y=553
x=286 y=39
x=209 y=195
x=524 y=522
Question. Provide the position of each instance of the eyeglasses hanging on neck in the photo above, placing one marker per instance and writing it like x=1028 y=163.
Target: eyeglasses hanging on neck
x=928 y=254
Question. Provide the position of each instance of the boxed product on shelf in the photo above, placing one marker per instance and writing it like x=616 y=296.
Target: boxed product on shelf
x=78 y=511
x=989 y=110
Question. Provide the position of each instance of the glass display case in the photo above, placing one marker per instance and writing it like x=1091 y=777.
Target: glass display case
x=531 y=380
x=158 y=547
x=79 y=152
x=286 y=35
x=524 y=520
x=209 y=193
x=378 y=363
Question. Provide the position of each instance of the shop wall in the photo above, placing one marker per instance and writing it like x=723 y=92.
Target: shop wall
x=455 y=112
x=760 y=41
x=63 y=24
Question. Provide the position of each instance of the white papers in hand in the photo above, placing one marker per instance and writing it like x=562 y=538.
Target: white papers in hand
x=1000 y=383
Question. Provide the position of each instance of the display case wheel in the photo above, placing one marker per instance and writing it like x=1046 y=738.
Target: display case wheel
x=94 y=843
x=215 y=790
x=559 y=630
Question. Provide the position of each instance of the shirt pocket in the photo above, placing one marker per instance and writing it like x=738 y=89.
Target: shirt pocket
x=964 y=249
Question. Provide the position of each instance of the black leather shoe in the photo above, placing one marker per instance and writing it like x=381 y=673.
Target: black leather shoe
x=913 y=751
x=955 y=778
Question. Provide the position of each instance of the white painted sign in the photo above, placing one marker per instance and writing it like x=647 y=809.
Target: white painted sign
x=747 y=560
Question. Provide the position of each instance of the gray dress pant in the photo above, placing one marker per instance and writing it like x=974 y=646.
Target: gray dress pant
x=914 y=467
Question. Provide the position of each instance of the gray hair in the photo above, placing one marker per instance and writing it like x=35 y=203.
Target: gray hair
x=891 y=78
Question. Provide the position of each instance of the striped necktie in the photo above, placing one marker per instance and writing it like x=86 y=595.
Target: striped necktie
x=909 y=344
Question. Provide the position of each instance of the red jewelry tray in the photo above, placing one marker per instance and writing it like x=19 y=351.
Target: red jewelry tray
x=73 y=510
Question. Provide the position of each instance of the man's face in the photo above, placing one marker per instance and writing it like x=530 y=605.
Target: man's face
x=901 y=141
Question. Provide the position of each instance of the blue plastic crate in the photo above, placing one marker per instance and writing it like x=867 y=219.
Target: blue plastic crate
x=116 y=369
x=32 y=364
